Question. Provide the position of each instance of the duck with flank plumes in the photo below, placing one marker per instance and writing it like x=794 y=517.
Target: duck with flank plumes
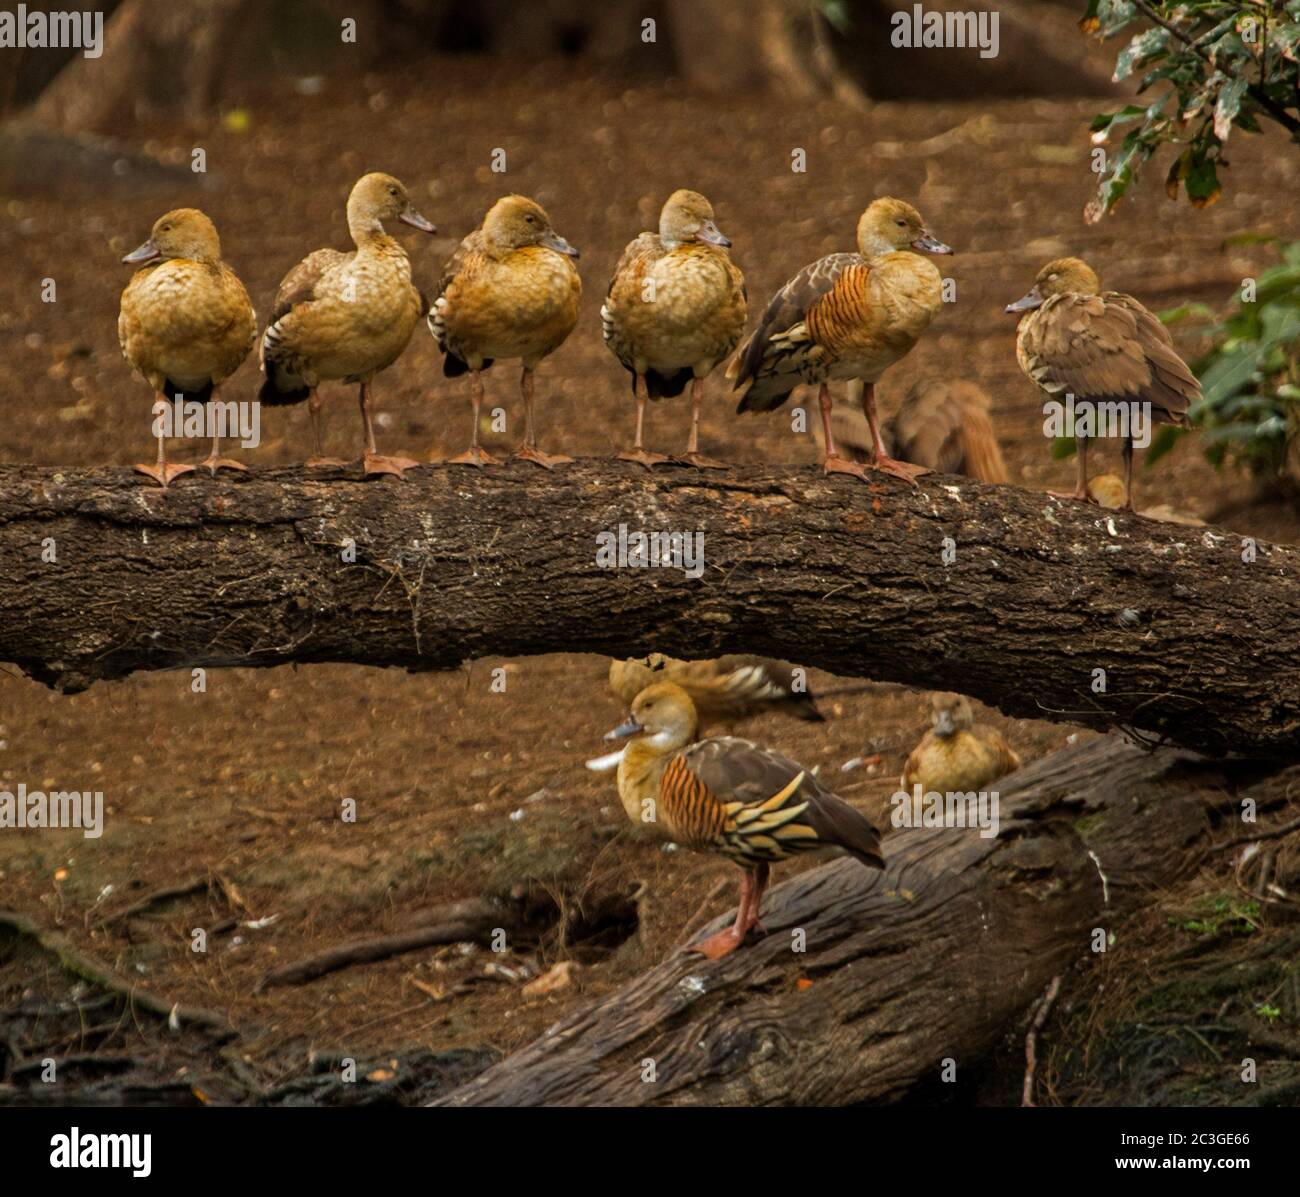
x=675 y=309
x=347 y=316
x=730 y=797
x=186 y=323
x=510 y=291
x=847 y=316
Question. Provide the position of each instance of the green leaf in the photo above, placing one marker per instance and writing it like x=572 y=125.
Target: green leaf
x=1227 y=106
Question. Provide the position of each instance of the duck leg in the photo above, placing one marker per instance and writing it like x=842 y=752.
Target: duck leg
x=529 y=451
x=693 y=455
x=1080 y=490
x=160 y=471
x=833 y=462
x=214 y=461
x=474 y=455
x=752 y=884
x=318 y=458
x=882 y=461
x=371 y=460
x=1128 y=474
x=639 y=454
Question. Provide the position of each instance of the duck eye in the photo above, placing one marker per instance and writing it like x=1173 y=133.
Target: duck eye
x=902 y=224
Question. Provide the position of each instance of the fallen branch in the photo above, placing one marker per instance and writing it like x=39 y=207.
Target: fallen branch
x=1046 y=608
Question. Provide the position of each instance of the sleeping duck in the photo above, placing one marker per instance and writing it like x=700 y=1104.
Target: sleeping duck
x=675 y=309
x=186 y=322
x=846 y=316
x=510 y=291
x=1099 y=347
x=347 y=316
x=957 y=754
x=730 y=797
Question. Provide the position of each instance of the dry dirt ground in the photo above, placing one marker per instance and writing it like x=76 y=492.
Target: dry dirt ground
x=461 y=791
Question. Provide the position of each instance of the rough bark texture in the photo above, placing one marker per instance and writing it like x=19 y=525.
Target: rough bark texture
x=1198 y=646
x=931 y=960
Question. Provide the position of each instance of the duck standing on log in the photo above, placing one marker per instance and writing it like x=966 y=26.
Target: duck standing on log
x=1099 y=347
x=186 y=323
x=957 y=754
x=731 y=797
x=347 y=316
x=510 y=291
x=847 y=316
x=675 y=309
x=943 y=425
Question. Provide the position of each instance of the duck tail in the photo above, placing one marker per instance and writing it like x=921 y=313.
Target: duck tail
x=804 y=706
x=202 y=394
x=666 y=386
x=281 y=388
x=454 y=367
x=767 y=394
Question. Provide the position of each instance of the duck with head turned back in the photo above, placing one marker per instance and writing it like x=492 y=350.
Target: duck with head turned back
x=847 y=316
x=186 y=322
x=1099 y=347
x=675 y=309
x=730 y=797
x=347 y=316
x=510 y=291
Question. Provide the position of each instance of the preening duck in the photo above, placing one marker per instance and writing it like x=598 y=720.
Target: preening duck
x=510 y=291
x=941 y=425
x=675 y=309
x=347 y=316
x=730 y=797
x=185 y=323
x=957 y=754
x=1101 y=347
x=847 y=316
x=723 y=689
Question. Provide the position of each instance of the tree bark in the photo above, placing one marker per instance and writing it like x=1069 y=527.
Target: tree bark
x=932 y=960
x=1197 y=646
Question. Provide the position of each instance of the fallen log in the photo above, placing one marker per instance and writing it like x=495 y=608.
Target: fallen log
x=1043 y=607
x=904 y=971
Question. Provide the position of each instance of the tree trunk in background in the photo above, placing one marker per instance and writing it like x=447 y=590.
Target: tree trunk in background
x=1046 y=608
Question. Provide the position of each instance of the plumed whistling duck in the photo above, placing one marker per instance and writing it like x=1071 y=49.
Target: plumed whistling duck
x=957 y=754
x=847 y=316
x=347 y=316
x=1100 y=347
x=943 y=425
x=510 y=291
x=723 y=689
x=675 y=309
x=731 y=797
x=185 y=323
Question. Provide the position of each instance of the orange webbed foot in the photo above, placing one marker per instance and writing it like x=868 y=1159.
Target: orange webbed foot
x=162 y=474
x=643 y=457
x=213 y=464
x=374 y=463
x=841 y=465
x=475 y=455
x=899 y=469
x=717 y=946
x=547 y=461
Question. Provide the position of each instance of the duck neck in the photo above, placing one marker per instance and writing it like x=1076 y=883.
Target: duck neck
x=873 y=247
x=366 y=229
x=642 y=766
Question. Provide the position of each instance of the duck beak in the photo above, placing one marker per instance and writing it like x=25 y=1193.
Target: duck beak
x=623 y=730
x=943 y=724
x=410 y=216
x=930 y=245
x=1031 y=300
x=710 y=232
x=559 y=244
x=148 y=252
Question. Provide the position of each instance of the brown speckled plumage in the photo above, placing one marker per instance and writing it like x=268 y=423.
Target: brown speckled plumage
x=957 y=755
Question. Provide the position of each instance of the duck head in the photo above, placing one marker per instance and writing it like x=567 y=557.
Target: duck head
x=180 y=233
x=687 y=217
x=950 y=713
x=891 y=224
x=663 y=715
x=379 y=197
x=1064 y=276
x=516 y=222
